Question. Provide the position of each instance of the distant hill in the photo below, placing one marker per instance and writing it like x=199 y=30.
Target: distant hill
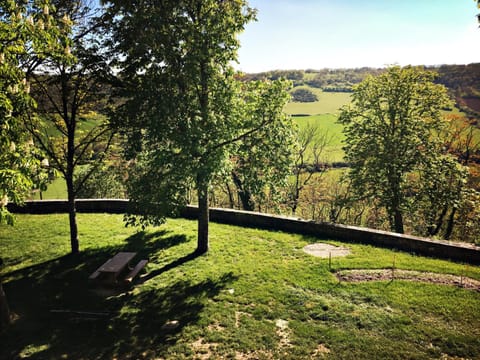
x=463 y=81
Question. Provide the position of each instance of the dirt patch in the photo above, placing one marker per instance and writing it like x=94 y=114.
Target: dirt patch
x=397 y=274
x=326 y=250
x=283 y=333
x=321 y=351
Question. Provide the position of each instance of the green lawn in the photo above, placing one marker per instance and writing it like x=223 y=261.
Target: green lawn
x=57 y=189
x=328 y=103
x=327 y=124
x=256 y=295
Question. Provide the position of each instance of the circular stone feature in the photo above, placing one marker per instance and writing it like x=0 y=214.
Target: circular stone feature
x=326 y=250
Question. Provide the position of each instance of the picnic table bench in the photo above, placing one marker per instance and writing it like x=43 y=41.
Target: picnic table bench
x=117 y=268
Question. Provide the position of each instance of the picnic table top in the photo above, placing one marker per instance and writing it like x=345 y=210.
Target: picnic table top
x=117 y=263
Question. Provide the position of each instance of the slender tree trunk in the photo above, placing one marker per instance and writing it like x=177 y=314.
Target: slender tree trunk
x=395 y=212
x=230 y=196
x=203 y=217
x=434 y=230
x=245 y=196
x=72 y=212
x=4 y=310
x=450 y=224
x=72 y=216
x=398 y=221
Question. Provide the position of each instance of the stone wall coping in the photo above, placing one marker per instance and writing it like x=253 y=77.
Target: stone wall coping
x=443 y=249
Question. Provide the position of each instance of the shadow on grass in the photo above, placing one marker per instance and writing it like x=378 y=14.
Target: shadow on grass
x=88 y=326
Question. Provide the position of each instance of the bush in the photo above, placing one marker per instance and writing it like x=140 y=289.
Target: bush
x=303 y=95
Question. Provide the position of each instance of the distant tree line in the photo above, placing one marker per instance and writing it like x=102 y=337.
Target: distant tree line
x=462 y=81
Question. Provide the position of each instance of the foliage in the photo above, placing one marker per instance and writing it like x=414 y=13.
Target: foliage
x=107 y=182
x=303 y=95
x=478 y=15
x=185 y=111
x=261 y=161
x=392 y=133
x=309 y=160
x=26 y=27
x=64 y=89
x=22 y=30
x=463 y=81
x=228 y=304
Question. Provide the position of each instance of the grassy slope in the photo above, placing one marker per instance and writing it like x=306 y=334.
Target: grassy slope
x=229 y=303
x=327 y=124
x=323 y=113
x=328 y=102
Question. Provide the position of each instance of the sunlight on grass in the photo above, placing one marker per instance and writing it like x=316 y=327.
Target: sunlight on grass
x=328 y=103
x=255 y=295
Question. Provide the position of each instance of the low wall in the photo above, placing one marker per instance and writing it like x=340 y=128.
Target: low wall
x=413 y=244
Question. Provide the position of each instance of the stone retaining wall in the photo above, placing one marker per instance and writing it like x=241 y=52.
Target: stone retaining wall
x=422 y=246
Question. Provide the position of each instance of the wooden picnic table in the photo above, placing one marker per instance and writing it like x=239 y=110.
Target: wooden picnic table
x=117 y=264
x=115 y=268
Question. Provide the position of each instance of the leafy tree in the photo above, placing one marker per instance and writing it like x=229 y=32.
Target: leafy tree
x=108 y=182
x=184 y=110
x=442 y=190
x=25 y=27
x=308 y=161
x=64 y=91
x=261 y=161
x=478 y=5
x=392 y=131
x=303 y=95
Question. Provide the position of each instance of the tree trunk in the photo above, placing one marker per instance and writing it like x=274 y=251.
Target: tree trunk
x=395 y=212
x=4 y=310
x=450 y=224
x=230 y=196
x=434 y=230
x=72 y=216
x=245 y=196
x=398 y=221
x=203 y=217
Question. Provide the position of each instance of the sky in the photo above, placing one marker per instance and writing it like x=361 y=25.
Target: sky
x=317 y=34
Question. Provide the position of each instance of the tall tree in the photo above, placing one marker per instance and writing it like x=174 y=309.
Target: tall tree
x=261 y=161
x=184 y=111
x=65 y=90
x=25 y=27
x=392 y=131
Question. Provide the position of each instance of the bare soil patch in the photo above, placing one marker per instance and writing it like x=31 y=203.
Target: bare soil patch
x=397 y=274
x=326 y=250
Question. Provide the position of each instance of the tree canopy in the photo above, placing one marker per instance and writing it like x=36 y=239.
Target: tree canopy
x=66 y=90
x=184 y=110
x=26 y=28
x=393 y=144
x=303 y=95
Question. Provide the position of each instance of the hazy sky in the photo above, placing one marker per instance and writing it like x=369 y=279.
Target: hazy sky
x=301 y=34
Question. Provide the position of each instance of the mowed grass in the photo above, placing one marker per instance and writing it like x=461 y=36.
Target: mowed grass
x=256 y=295
x=326 y=124
x=57 y=189
x=323 y=114
x=328 y=103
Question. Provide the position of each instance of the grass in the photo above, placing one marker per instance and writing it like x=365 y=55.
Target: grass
x=327 y=124
x=57 y=189
x=328 y=103
x=256 y=295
